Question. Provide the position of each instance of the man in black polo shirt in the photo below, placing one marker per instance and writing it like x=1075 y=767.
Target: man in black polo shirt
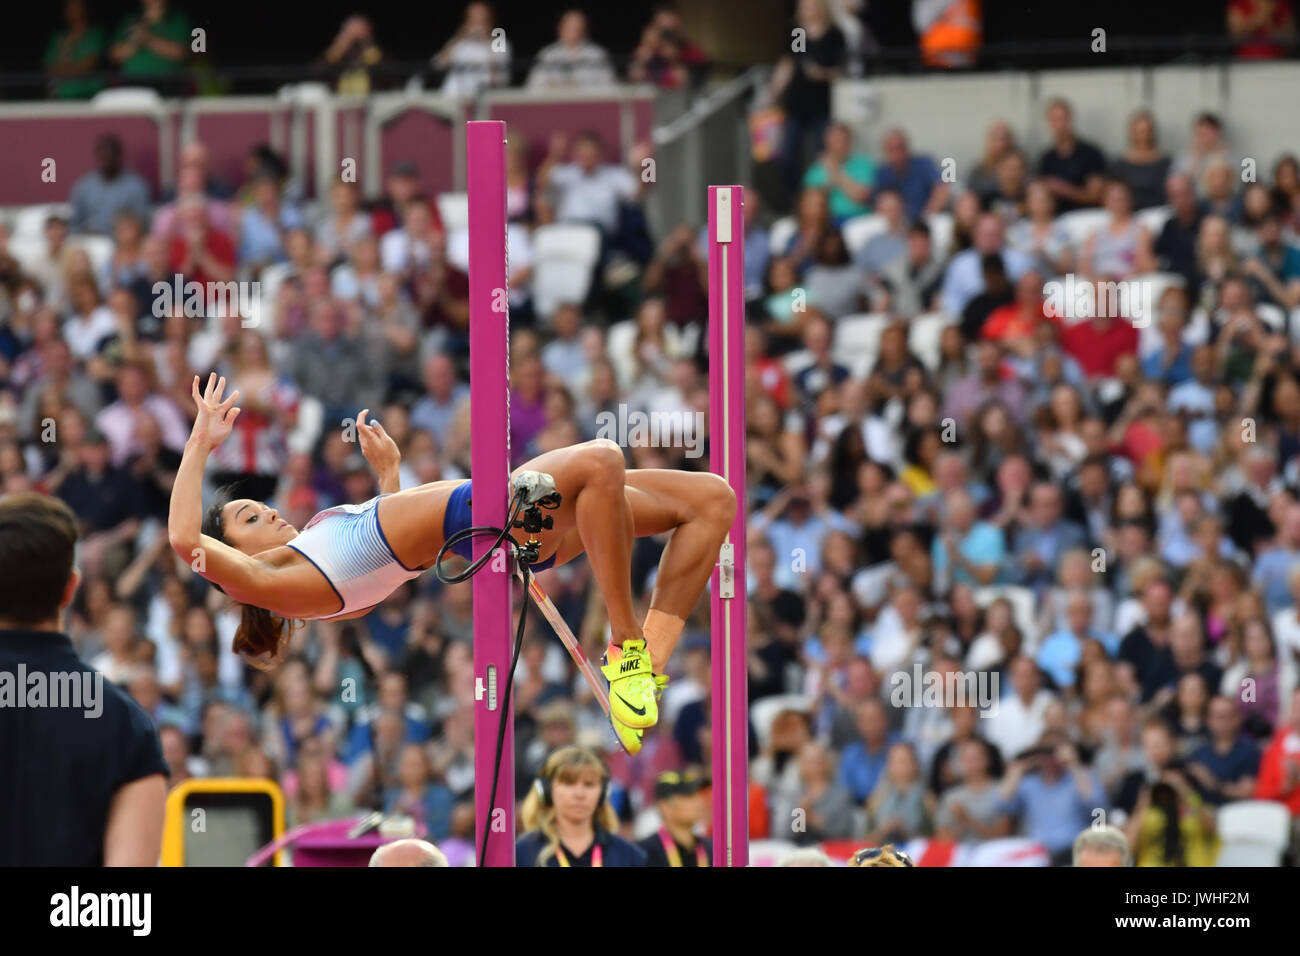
x=1175 y=247
x=83 y=780
x=1073 y=167
x=1146 y=647
x=1227 y=765
x=677 y=797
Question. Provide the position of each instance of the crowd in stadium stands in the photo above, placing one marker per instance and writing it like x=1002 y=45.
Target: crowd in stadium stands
x=153 y=45
x=1089 y=502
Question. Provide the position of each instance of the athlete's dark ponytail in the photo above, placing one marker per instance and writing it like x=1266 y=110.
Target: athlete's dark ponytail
x=262 y=637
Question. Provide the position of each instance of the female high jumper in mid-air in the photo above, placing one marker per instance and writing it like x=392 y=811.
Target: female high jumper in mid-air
x=351 y=557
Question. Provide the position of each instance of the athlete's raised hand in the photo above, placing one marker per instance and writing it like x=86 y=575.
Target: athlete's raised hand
x=216 y=418
x=378 y=446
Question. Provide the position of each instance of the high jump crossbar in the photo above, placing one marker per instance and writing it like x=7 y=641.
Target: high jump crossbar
x=489 y=344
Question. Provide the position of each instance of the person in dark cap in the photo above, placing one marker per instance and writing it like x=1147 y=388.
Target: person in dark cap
x=105 y=499
x=677 y=797
x=401 y=186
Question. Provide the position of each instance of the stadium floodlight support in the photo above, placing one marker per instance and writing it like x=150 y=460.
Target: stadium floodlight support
x=489 y=353
x=727 y=586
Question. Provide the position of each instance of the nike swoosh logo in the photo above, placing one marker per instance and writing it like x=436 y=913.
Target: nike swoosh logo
x=639 y=711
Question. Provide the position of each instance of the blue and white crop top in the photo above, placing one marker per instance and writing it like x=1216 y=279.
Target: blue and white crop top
x=347 y=546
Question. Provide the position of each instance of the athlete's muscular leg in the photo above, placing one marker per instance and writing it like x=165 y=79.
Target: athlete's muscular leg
x=698 y=509
x=603 y=507
x=594 y=510
x=706 y=507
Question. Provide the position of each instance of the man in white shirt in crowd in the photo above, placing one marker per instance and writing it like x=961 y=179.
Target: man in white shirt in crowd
x=1019 y=721
x=416 y=244
x=572 y=60
x=587 y=189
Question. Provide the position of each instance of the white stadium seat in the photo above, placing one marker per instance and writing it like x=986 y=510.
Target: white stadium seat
x=685 y=339
x=1023 y=604
x=780 y=234
x=28 y=250
x=307 y=427
x=127 y=98
x=303 y=94
x=620 y=340
x=923 y=334
x=763 y=712
x=1154 y=219
x=796 y=361
x=100 y=250
x=1081 y=224
x=453 y=208
x=564 y=255
x=1272 y=316
x=860 y=230
x=941 y=229
x=1252 y=833
x=270 y=280
x=29 y=222
x=856 y=341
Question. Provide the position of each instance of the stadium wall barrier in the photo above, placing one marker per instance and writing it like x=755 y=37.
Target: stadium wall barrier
x=316 y=134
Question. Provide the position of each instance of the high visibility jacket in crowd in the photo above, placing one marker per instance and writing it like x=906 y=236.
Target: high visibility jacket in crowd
x=953 y=38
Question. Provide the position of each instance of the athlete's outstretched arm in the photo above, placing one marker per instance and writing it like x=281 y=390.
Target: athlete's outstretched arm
x=212 y=425
x=239 y=575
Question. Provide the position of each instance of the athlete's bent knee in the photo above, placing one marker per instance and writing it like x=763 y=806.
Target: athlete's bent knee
x=606 y=461
x=718 y=500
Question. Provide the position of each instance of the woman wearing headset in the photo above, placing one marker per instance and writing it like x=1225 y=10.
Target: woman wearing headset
x=568 y=819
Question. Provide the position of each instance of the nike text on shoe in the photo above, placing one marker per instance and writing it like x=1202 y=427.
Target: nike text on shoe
x=632 y=689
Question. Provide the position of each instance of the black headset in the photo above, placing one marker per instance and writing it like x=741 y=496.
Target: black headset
x=542 y=785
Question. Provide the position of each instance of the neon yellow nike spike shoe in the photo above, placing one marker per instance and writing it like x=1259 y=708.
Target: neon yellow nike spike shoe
x=629 y=738
x=632 y=698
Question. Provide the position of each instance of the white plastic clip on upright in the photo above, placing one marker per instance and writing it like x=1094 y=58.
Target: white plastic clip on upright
x=727 y=566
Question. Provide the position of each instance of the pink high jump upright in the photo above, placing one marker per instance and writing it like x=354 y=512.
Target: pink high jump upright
x=727 y=587
x=489 y=353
